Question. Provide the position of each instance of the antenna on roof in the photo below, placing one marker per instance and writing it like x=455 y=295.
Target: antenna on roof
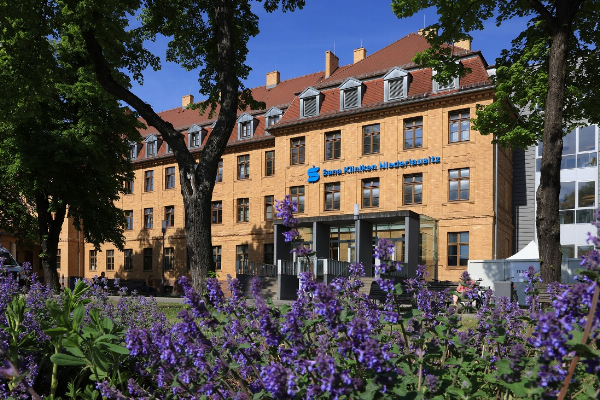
x=333 y=47
x=424 y=25
x=360 y=42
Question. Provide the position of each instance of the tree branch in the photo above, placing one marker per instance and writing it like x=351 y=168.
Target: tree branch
x=104 y=75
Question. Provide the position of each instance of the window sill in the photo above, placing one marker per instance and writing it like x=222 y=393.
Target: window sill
x=459 y=202
x=460 y=142
x=456 y=268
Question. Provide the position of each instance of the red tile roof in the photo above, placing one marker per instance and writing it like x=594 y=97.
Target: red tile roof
x=283 y=95
x=280 y=95
x=420 y=87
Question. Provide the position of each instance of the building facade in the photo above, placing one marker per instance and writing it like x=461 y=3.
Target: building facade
x=578 y=194
x=378 y=140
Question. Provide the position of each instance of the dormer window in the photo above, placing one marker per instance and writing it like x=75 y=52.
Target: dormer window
x=195 y=136
x=134 y=150
x=395 y=84
x=272 y=116
x=439 y=87
x=246 y=126
x=151 y=143
x=246 y=130
x=310 y=102
x=350 y=94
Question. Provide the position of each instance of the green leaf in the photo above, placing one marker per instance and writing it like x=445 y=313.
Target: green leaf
x=76 y=351
x=107 y=337
x=66 y=359
x=370 y=390
x=55 y=332
x=398 y=289
x=115 y=348
x=99 y=360
x=107 y=324
x=586 y=351
x=78 y=315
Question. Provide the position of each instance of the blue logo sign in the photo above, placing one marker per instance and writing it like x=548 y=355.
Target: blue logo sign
x=313 y=174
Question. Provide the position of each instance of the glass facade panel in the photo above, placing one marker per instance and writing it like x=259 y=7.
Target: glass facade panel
x=584 y=216
x=569 y=143
x=587 y=138
x=586 y=194
x=566 y=197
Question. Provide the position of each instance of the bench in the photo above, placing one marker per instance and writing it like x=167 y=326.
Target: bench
x=380 y=296
x=406 y=298
x=545 y=298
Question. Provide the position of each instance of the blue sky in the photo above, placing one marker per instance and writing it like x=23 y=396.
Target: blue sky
x=295 y=43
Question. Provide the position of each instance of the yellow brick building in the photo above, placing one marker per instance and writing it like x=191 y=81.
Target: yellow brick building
x=383 y=135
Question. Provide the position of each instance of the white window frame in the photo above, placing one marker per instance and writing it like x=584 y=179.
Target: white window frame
x=273 y=112
x=193 y=132
x=310 y=93
x=348 y=85
x=151 y=143
x=395 y=74
x=246 y=120
x=435 y=86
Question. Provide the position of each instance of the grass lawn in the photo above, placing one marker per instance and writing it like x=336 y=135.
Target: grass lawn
x=171 y=310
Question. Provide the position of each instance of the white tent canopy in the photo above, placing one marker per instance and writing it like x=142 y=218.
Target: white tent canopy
x=529 y=252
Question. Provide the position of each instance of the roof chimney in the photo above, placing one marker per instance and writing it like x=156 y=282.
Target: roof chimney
x=331 y=63
x=186 y=100
x=464 y=44
x=425 y=31
x=272 y=79
x=359 y=54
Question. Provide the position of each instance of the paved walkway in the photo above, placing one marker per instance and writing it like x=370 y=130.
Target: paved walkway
x=179 y=300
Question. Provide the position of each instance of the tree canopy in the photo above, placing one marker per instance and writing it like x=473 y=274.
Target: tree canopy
x=545 y=84
x=65 y=141
x=89 y=37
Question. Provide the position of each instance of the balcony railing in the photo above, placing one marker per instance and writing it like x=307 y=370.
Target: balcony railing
x=255 y=269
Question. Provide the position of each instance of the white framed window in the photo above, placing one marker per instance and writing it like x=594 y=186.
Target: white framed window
x=350 y=94
x=134 y=150
x=246 y=126
x=151 y=145
x=195 y=136
x=272 y=116
x=440 y=87
x=579 y=149
x=577 y=202
x=310 y=102
x=395 y=84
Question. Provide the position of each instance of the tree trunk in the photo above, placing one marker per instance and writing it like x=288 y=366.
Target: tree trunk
x=547 y=220
x=197 y=200
x=49 y=232
x=197 y=180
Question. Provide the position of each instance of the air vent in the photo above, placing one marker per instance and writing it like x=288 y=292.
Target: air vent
x=396 y=89
x=351 y=98
x=310 y=107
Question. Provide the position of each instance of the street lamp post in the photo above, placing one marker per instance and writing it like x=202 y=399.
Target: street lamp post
x=162 y=275
x=356 y=231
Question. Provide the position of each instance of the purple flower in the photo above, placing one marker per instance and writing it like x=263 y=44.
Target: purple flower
x=384 y=250
x=290 y=235
x=286 y=209
x=302 y=251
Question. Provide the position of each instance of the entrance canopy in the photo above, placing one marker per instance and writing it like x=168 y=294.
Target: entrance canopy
x=529 y=252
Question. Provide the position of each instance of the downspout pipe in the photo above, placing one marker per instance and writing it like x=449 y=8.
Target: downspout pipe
x=496 y=203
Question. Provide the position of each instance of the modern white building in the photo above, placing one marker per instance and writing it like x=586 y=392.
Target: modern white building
x=578 y=194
